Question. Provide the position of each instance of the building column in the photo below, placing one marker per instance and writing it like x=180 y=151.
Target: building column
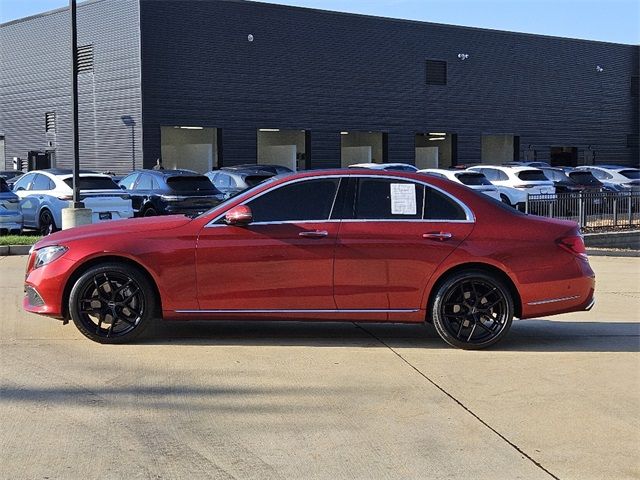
x=239 y=146
x=401 y=148
x=325 y=149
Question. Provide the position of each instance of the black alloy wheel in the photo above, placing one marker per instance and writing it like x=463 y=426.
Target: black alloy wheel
x=47 y=223
x=112 y=303
x=472 y=310
x=504 y=199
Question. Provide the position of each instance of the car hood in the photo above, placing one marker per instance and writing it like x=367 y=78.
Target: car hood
x=114 y=227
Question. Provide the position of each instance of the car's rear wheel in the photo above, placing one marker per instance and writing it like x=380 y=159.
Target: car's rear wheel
x=47 y=223
x=150 y=212
x=112 y=303
x=472 y=310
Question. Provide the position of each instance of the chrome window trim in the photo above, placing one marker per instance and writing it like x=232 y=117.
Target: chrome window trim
x=406 y=310
x=467 y=211
x=553 y=300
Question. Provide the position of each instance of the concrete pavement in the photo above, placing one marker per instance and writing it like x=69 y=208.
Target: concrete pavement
x=559 y=398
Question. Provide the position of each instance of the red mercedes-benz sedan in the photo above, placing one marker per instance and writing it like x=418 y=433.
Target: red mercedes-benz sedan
x=338 y=245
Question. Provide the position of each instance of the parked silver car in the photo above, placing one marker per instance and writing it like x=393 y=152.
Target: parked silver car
x=44 y=193
x=10 y=212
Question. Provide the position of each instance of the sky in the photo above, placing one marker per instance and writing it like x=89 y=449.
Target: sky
x=615 y=21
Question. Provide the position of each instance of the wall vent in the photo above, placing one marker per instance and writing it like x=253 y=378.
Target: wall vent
x=84 y=58
x=436 y=72
x=50 y=122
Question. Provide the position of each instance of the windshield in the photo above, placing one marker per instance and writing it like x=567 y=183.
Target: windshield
x=192 y=183
x=632 y=174
x=532 y=176
x=473 y=178
x=94 y=183
x=268 y=180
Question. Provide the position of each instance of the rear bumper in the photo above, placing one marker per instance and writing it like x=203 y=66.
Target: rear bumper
x=573 y=292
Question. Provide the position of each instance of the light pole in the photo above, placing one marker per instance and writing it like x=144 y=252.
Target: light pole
x=75 y=214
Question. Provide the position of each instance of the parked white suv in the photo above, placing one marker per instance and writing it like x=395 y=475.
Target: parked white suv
x=397 y=167
x=44 y=193
x=474 y=180
x=515 y=183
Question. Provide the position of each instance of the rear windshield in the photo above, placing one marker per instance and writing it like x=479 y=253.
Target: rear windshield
x=633 y=174
x=473 y=179
x=253 y=180
x=584 y=178
x=532 y=176
x=94 y=183
x=191 y=183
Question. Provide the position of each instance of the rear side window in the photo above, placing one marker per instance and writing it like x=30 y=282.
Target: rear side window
x=494 y=175
x=382 y=199
x=222 y=180
x=473 y=179
x=401 y=168
x=145 y=182
x=93 y=183
x=632 y=174
x=192 y=183
x=438 y=206
x=301 y=201
x=532 y=176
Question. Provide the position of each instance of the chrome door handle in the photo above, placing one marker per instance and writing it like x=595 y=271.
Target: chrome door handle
x=442 y=236
x=314 y=234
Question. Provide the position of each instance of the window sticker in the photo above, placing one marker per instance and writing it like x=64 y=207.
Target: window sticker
x=403 y=199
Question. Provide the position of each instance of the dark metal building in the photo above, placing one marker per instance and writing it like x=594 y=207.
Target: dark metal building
x=222 y=82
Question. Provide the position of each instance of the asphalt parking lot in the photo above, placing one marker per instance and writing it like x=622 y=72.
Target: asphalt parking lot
x=559 y=398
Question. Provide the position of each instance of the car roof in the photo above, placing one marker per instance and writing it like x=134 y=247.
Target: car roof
x=505 y=168
x=167 y=173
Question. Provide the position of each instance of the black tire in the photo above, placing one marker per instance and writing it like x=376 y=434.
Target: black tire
x=504 y=199
x=47 y=225
x=472 y=310
x=112 y=303
x=149 y=212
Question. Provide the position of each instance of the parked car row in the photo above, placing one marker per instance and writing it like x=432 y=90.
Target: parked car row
x=41 y=195
x=513 y=182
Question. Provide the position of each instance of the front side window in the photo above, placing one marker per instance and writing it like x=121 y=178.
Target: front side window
x=223 y=181
x=302 y=201
x=129 y=181
x=388 y=199
x=23 y=183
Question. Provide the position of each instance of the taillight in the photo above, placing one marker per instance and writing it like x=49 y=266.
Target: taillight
x=65 y=197
x=573 y=244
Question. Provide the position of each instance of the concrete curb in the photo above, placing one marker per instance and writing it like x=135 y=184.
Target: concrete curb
x=629 y=239
x=7 y=250
x=607 y=252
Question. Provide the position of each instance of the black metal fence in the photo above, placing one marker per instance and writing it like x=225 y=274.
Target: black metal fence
x=592 y=210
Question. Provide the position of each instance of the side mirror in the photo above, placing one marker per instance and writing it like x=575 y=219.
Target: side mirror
x=122 y=187
x=239 y=215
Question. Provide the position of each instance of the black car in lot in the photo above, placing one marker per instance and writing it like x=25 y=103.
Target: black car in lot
x=569 y=180
x=169 y=192
x=10 y=176
x=233 y=180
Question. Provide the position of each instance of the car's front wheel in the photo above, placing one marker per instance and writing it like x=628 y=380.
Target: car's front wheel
x=112 y=303
x=472 y=310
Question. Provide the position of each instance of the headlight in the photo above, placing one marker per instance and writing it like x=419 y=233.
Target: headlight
x=48 y=254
